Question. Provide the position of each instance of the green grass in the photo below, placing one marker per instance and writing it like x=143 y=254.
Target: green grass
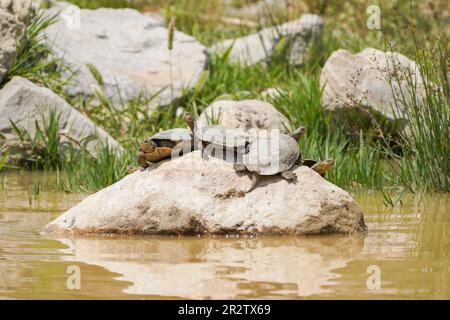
x=424 y=163
x=361 y=162
x=76 y=169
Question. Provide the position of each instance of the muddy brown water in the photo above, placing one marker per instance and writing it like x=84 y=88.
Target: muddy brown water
x=407 y=249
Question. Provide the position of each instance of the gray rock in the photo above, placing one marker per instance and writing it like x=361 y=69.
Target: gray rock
x=358 y=90
x=189 y=195
x=12 y=35
x=23 y=102
x=21 y=8
x=244 y=114
x=254 y=48
x=130 y=51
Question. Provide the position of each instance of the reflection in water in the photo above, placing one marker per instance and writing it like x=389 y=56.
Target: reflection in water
x=410 y=244
x=219 y=268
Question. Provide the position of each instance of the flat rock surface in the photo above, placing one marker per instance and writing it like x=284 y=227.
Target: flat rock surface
x=189 y=195
x=24 y=103
x=129 y=49
x=244 y=114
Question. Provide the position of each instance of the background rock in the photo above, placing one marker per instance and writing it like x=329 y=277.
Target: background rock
x=189 y=195
x=130 y=51
x=23 y=102
x=257 y=47
x=244 y=114
x=21 y=8
x=12 y=34
x=357 y=89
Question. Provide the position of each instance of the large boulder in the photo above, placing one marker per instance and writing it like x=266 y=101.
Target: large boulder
x=258 y=47
x=369 y=88
x=12 y=35
x=244 y=114
x=22 y=9
x=24 y=103
x=189 y=195
x=129 y=49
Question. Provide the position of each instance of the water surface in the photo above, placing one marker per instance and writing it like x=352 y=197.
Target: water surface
x=409 y=244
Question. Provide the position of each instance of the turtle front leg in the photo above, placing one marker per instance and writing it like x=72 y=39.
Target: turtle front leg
x=142 y=161
x=290 y=176
x=255 y=180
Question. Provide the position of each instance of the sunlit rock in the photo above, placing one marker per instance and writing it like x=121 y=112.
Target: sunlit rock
x=190 y=195
x=370 y=88
x=244 y=114
x=130 y=51
x=24 y=103
x=294 y=37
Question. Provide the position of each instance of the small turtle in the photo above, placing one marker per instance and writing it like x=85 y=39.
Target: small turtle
x=214 y=138
x=267 y=157
x=321 y=167
x=163 y=144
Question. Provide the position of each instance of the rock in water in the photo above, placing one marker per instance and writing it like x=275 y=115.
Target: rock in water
x=244 y=114
x=23 y=102
x=298 y=34
x=130 y=51
x=357 y=89
x=12 y=35
x=189 y=195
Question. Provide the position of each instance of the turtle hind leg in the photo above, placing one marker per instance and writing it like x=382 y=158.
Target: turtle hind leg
x=289 y=175
x=255 y=180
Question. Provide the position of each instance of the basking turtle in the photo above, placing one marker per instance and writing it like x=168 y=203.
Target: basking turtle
x=321 y=167
x=214 y=138
x=163 y=144
x=267 y=157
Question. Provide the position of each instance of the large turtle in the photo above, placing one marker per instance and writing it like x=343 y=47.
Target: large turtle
x=268 y=156
x=321 y=167
x=164 y=144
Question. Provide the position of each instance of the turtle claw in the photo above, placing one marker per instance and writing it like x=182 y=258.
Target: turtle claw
x=255 y=180
x=290 y=176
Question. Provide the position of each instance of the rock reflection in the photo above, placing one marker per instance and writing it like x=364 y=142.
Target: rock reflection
x=219 y=268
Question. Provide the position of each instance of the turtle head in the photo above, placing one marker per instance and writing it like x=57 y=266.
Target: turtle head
x=148 y=146
x=298 y=133
x=326 y=165
x=189 y=119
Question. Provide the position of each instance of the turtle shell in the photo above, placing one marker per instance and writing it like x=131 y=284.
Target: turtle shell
x=166 y=141
x=221 y=136
x=172 y=135
x=309 y=162
x=269 y=156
